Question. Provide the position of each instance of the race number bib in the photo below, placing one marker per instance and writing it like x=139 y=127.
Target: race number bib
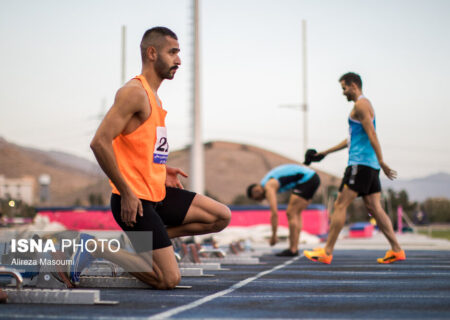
x=161 y=151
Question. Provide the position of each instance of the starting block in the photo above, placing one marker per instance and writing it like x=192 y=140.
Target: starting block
x=105 y=268
x=191 y=253
x=214 y=255
x=55 y=296
x=194 y=272
x=230 y=260
x=48 y=296
x=116 y=282
x=42 y=279
x=212 y=252
x=204 y=265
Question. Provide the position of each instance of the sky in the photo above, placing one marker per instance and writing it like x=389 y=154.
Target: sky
x=61 y=66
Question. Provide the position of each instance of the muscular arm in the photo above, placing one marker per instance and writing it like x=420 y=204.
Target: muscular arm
x=363 y=115
x=339 y=146
x=271 y=196
x=129 y=101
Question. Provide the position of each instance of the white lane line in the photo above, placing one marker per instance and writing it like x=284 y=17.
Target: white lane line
x=340 y=296
x=339 y=282
x=321 y=295
x=72 y=317
x=399 y=266
x=174 y=311
x=392 y=272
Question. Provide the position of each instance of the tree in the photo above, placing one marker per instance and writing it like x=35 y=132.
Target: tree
x=437 y=209
x=400 y=198
x=242 y=199
x=96 y=199
x=16 y=208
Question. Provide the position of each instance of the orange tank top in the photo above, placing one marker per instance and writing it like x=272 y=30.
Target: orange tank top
x=142 y=154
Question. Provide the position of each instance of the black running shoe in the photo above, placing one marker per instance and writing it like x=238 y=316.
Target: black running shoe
x=287 y=253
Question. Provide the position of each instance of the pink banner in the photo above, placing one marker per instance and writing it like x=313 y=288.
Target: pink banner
x=313 y=221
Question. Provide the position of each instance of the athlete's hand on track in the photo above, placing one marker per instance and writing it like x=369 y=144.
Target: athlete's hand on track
x=391 y=174
x=130 y=207
x=273 y=240
x=172 y=177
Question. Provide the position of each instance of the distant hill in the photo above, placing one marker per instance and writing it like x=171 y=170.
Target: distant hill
x=419 y=189
x=71 y=177
x=229 y=169
x=75 y=162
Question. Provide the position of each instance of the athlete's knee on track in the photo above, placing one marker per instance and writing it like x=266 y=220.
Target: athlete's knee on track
x=169 y=281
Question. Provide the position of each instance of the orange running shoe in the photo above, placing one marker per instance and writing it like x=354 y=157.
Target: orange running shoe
x=318 y=254
x=392 y=256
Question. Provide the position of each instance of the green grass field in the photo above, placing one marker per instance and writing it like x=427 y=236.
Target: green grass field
x=443 y=233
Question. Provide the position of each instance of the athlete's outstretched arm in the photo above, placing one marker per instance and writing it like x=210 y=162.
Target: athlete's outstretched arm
x=362 y=113
x=129 y=101
x=271 y=188
x=339 y=146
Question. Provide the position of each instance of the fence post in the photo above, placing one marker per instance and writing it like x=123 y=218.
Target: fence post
x=399 y=219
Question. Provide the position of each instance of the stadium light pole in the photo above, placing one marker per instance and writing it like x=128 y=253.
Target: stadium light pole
x=123 y=62
x=304 y=105
x=197 y=166
x=305 y=89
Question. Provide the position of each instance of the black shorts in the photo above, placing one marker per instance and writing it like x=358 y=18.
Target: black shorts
x=306 y=190
x=157 y=215
x=362 y=179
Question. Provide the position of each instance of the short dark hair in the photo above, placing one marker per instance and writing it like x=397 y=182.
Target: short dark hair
x=351 y=77
x=152 y=37
x=250 y=189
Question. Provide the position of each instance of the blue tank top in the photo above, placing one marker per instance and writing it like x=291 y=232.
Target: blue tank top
x=288 y=176
x=360 y=151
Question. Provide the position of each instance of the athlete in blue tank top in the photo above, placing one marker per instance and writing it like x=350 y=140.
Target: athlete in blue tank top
x=288 y=176
x=360 y=150
x=303 y=182
x=361 y=177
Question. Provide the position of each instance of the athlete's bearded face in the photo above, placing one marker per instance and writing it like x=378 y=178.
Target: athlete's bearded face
x=167 y=61
x=348 y=91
